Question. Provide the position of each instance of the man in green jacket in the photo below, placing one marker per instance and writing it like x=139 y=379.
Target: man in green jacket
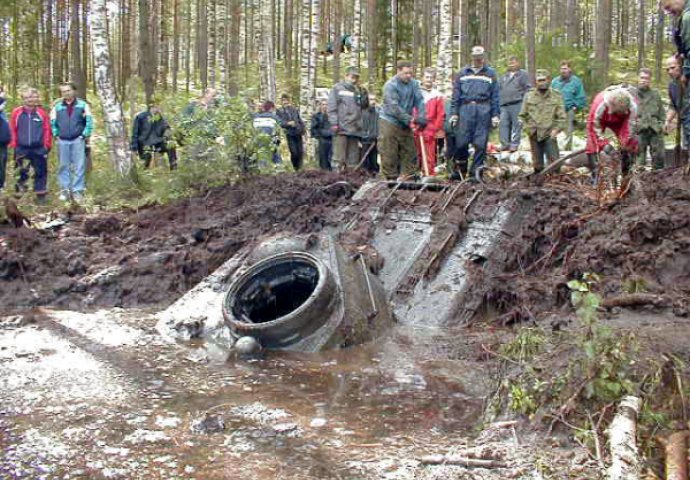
x=543 y=117
x=650 y=121
x=574 y=98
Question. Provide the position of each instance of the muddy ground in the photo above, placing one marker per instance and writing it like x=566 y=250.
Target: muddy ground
x=367 y=412
x=151 y=257
x=559 y=231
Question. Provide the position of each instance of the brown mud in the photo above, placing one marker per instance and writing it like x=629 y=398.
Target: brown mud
x=419 y=391
x=557 y=232
x=637 y=244
x=151 y=257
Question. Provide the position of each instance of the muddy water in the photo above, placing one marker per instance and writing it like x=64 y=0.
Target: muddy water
x=297 y=415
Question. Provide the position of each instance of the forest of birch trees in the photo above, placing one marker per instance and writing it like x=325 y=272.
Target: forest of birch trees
x=259 y=48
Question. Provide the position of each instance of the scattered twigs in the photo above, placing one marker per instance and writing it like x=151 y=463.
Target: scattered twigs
x=462 y=461
x=469 y=204
x=382 y=209
x=431 y=266
x=625 y=463
x=595 y=436
x=450 y=197
x=486 y=349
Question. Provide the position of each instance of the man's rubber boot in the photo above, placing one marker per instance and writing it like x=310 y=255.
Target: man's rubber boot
x=476 y=175
x=455 y=176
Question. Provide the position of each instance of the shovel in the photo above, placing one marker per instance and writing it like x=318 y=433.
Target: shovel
x=425 y=164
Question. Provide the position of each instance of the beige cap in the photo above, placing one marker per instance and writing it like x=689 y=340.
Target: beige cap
x=478 y=51
x=542 y=74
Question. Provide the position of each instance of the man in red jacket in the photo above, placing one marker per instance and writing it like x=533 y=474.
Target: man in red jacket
x=435 y=114
x=31 y=140
x=616 y=109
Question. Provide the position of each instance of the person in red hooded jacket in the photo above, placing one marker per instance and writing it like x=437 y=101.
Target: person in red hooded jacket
x=31 y=140
x=615 y=109
x=434 y=104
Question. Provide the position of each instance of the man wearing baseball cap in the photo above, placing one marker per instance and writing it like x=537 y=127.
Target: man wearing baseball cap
x=543 y=117
x=345 y=104
x=474 y=110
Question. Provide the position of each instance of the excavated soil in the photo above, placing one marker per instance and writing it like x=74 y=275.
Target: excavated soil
x=639 y=244
x=151 y=257
x=371 y=411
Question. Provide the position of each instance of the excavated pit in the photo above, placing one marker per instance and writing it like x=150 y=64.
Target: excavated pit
x=502 y=255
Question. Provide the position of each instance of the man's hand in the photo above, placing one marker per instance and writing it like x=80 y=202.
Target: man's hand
x=495 y=121
x=335 y=128
x=453 y=120
x=291 y=123
x=420 y=122
x=554 y=132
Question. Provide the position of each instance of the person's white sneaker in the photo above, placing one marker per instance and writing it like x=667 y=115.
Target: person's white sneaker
x=64 y=197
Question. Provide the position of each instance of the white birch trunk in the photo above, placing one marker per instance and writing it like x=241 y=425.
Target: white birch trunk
x=267 y=67
x=309 y=48
x=103 y=77
x=445 y=50
x=243 y=36
x=212 y=43
x=222 y=41
x=625 y=464
x=355 y=57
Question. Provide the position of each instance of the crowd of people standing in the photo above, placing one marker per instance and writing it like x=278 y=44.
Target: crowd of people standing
x=403 y=137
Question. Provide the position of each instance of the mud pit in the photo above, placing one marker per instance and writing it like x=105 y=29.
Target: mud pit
x=138 y=407
x=151 y=257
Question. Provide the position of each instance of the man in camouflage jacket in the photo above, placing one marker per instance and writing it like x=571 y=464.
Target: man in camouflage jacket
x=650 y=121
x=543 y=117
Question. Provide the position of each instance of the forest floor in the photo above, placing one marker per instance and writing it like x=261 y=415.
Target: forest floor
x=98 y=394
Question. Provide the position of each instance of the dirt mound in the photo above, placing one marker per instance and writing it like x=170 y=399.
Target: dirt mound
x=152 y=256
x=637 y=244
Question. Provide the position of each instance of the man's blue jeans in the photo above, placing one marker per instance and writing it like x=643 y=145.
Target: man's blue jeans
x=72 y=168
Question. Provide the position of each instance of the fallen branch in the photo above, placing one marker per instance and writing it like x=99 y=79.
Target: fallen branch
x=675 y=447
x=635 y=300
x=625 y=464
x=462 y=461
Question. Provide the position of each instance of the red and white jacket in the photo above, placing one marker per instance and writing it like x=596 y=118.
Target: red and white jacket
x=434 y=104
x=600 y=118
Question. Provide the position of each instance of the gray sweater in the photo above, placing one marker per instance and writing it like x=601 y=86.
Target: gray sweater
x=512 y=88
x=400 y=99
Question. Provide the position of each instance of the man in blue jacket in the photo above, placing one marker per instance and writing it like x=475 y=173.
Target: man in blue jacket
x=474 y=110
x=574 y=98
x=322 y=130
x=72 y=123
x=403 y=110
x=5 y=137
x=681 y=29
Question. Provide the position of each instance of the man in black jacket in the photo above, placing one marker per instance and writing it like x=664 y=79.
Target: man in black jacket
x=321 y=130
x=294 y=129
x=151 y=133
x=370 y=132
